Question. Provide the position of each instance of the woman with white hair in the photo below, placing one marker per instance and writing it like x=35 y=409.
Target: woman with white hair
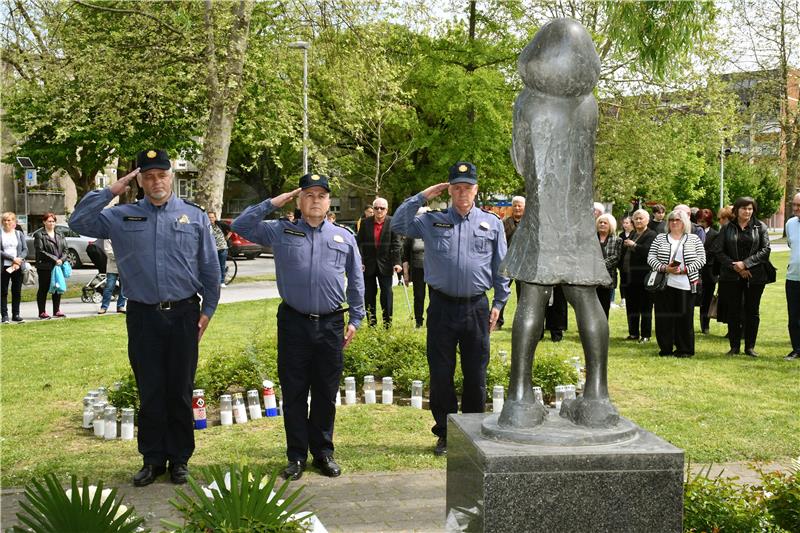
x=679 y=254
x=638 y=303
x=611 y=246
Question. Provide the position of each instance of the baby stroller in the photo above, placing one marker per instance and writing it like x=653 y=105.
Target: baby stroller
x=93 y=291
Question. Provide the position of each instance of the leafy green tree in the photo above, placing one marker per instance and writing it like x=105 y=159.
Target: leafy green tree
x=761 y=181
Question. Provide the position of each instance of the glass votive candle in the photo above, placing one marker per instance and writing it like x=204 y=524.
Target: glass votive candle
x=110 y=416
x=537 y=393
x=254 y=404
x=560 y=391
x=369 y=389
x=416 y=394
x=225 y=410
x=569 y=392
x=498 y=398
x=99 y=422
x=239 y=410
x=126 y=428
x=503 y=356
x=88 y=413
x=387 y=391
x=349 y=390
x=102 y=394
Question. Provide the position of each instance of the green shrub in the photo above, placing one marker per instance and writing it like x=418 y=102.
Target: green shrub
x=781 y=493
x=127 y=395
x=223 y=373
x=551 y=370
x=244 y=504
x=48 y=508
x=398 y=352
x=720 y=504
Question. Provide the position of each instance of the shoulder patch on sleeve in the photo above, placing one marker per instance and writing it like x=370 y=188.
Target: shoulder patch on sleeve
x=200 y=207
x=495 y=214
x=344 y=227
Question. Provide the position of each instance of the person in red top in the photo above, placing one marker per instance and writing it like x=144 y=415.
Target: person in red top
x=380 y=249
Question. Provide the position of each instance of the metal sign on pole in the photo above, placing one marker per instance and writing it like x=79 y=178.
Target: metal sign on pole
x=30 y=177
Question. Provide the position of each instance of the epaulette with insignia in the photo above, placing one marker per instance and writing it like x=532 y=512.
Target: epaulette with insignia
x=200 y=207
x=493 y=213
x=438 y=210
x=344 y=227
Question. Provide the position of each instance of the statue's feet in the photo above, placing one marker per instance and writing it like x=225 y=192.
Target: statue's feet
x=598 y=413
x=521 y=414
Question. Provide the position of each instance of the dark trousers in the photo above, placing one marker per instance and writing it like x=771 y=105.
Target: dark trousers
x=793 y=305
x=639 y=308
x=309 y=359
x=705 y=301
x=418 y=281
x=15 y=279
x=44 y=287
x=371 y=284
x=675 y=321
x=162 y=350
x=604 y=295
x=743 y=300
x=501 y=319
x=222 y=255
x=465 y=324
x=555 y=316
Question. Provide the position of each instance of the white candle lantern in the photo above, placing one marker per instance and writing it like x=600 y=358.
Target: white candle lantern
x=225 y=410
x=110 y=416
x=126 y=428
x=88 y=412
x=498 y=398
x=350 y=390
x=369 y=389
x=387 y=391
x=416 y=394
x=239 y=410
x=254 y=404
x=99 y=422
x=560 y=392
x=537 y=393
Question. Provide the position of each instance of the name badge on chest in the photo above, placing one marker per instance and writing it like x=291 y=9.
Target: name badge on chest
x=294 y=232
x=442 y=225
x=134 y=219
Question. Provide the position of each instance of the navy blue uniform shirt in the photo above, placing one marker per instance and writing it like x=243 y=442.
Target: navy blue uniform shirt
x=462 y=253
x=310 y=263
x=164 y=253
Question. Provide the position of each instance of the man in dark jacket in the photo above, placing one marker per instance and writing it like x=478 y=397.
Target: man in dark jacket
x=380 y=257
x=510 y=226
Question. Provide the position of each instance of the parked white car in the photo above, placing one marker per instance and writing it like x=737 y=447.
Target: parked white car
x=77 y=245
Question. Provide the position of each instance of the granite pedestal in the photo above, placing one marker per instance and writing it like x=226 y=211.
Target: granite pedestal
x=497 y=486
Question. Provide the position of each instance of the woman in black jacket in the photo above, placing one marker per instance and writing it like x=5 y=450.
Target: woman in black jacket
x=51 y=250
x=742 y=250
x=710 y=274
x=638 y=303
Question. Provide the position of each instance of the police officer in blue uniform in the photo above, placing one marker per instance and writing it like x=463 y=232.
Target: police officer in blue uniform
x=166 y=255
x=312 y=256
x=463 y=250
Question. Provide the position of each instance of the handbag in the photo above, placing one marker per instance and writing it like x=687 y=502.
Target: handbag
x=771 y=271
x=712 y=307
x=29 y=275
x=657 y=281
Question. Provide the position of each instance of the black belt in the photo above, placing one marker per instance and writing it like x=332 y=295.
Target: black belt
x=457 y=299
x=169 y=305
x=314 y=316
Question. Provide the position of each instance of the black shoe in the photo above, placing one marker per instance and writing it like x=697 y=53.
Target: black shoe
x=18 y=319
x=750 y=352
x=666 y=354
x=4 y=320
x=327 y=466
x=178 y=473
x=683 y=355
x=441 y=447
x=147 y=475
x=632 y=338
x=732 y=351
x=644 y=340
x=793 y=356
x=556 y=336
x=294 y=470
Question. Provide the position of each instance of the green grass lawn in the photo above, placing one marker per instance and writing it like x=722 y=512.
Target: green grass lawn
x=717 y=408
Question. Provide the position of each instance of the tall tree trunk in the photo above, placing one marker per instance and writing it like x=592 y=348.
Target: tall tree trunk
x=224 y=82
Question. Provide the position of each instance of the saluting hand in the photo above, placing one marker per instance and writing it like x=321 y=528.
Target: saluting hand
x=435 y=190
x=123 y=184
x=283 y=199
x=348 y=335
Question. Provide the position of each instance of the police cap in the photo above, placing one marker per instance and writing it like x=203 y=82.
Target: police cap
x=463 y=172
x=315 y=180
x=148 y=159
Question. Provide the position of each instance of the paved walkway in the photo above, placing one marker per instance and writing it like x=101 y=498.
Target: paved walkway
x=373 y=502
x=75 y=308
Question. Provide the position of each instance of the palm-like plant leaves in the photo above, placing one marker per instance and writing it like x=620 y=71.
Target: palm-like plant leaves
x=48 y=509
x=246 y=504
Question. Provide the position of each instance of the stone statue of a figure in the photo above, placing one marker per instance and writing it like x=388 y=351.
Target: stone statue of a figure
x=555 y=120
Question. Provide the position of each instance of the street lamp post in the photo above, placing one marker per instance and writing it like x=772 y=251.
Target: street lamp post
x=305 y=46
x=722 y=175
